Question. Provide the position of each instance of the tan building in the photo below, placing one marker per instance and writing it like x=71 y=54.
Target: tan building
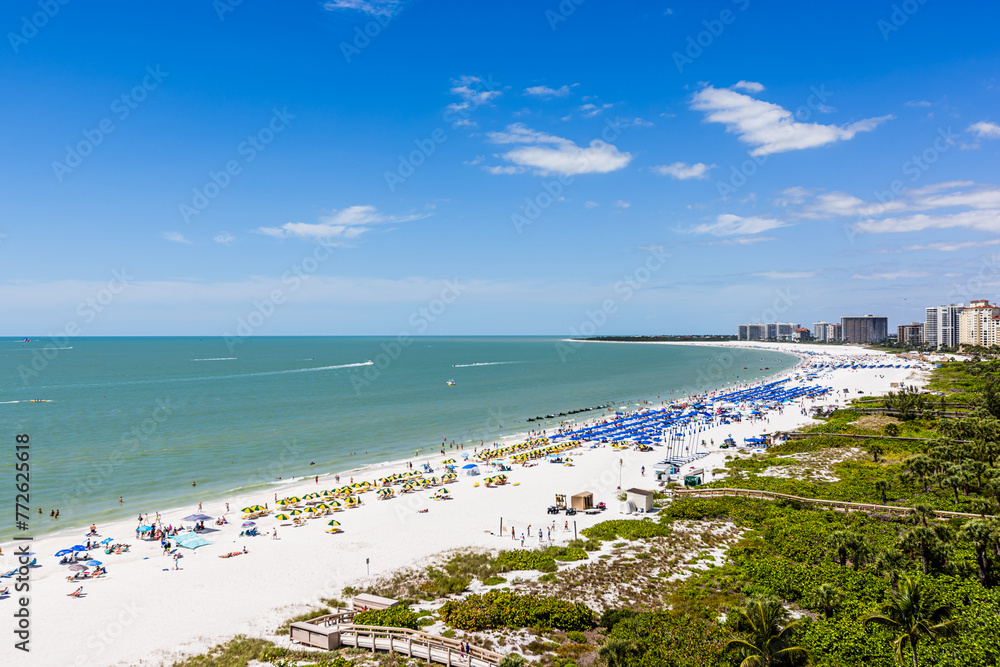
x=910 y=334
x=977 y=324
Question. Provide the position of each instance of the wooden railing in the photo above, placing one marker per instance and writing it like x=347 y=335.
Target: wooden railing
x=339 y=617
x=415 y=643
x=836 y=504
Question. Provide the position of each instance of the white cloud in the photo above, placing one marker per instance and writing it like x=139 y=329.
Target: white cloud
x=176 y=237
x=590 y=204
x=785 y=275
x=743 y=240
x=984 y=221
x=917 y=103
x=951 y=246
x=504 y=170
x=520 y=134
x=348 y=224
x=769 y=127
x=545 y=91
x=985 y=130
x=951 y=204
x=891 y=275
x=591 y=110
x=549 y=153
x=733 y=225
x=474 y=92
x=370 y=7
x=682 y=171
x=749 y=86
x=225 y=238
x=621 y=203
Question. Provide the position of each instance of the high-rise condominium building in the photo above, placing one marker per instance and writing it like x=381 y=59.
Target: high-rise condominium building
x=977 y=324
x=910 y=334
x=864 y=329
x=827 y=332
x=941 y=325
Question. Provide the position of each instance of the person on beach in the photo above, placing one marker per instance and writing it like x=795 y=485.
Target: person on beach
x=120 y=500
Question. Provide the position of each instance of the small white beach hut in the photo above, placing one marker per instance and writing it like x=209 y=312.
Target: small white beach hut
x=642 y=499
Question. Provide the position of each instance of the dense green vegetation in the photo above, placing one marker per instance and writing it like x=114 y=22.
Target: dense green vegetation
x=394 y=617
x=504 y=609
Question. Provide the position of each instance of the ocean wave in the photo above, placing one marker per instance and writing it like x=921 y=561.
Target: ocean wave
x=4 y=402
x=216 y=359
x=486 y=363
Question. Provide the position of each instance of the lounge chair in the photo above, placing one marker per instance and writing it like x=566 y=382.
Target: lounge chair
x=77 y=593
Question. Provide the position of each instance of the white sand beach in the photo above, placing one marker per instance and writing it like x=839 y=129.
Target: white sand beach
x=144 y=612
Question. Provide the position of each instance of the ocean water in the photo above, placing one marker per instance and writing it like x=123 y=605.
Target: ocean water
x=143 y=418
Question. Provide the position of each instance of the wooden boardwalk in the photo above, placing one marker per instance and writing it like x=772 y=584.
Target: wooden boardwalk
x=417 y=644
x=831 y=504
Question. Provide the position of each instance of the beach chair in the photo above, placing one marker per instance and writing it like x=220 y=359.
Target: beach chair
x=77 y=593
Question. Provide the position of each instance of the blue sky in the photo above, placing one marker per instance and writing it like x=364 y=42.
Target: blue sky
x=508 y=168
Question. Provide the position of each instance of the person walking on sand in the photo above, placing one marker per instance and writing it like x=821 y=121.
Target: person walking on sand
x=274 y=535
x=512 y=533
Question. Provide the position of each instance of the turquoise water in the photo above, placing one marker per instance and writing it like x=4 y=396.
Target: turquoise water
x=145 y=417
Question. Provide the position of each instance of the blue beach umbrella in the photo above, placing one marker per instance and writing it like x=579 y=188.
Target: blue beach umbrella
x=78 y=547
x=63 y=552
x=105 y=541
x=93 y=563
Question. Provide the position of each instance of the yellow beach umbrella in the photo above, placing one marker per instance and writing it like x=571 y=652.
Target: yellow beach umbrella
x=295 y=512
x=333 y=523
x=322 y=506
x=282 y=517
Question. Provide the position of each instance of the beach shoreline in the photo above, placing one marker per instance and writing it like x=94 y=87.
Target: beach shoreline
x=141 y=613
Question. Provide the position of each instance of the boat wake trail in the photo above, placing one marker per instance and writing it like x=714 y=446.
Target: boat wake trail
x=202 y=378
x=216 y=359
x=486 y=363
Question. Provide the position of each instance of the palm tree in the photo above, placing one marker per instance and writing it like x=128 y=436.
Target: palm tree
x=982 y=533
x=842 y=542
x=768 y=643
x=922 y=513
x=881 y=487
x=912 y=613
x=890 y=562
x=828 y=597
x=616 y=652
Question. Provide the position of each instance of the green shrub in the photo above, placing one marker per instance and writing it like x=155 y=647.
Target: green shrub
x=525 y=560
x=393 y=617
x=493 y=581
x=577 y=637
x=504 y=609
x=628 y=529
x=612 y=617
